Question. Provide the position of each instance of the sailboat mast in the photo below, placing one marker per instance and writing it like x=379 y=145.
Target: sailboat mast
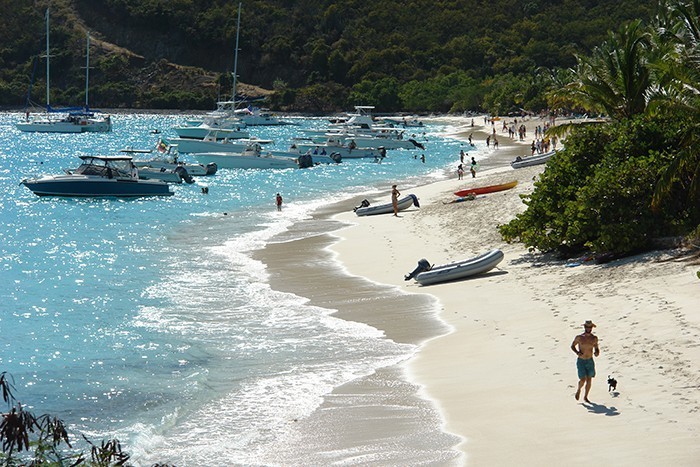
x=235 y=59
x=87 y=71
x=47 y=59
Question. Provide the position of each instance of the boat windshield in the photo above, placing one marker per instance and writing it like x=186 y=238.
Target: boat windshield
x=121 y=168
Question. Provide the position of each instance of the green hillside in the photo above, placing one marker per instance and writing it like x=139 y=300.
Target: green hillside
x=415 y=55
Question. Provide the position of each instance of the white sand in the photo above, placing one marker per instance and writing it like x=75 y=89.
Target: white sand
x=504 y=378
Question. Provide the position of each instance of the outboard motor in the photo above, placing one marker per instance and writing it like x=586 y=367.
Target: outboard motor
x=415 y=200
x=305 y=160
x=363 y=204
x=336 y=157
x=212 y=168
x=423 y=265
x=182 y=172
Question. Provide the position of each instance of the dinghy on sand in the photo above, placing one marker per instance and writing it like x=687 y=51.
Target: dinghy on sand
x=404 y=203
x=425 y=274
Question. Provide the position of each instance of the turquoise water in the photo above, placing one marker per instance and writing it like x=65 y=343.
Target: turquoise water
x=147 y=319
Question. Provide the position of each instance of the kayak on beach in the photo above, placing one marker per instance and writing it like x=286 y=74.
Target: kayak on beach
x=486 y=189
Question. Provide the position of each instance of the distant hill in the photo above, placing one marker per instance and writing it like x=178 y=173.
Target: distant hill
x=315 y=55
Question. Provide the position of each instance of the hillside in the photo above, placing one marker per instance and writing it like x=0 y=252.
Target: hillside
x=317 y=55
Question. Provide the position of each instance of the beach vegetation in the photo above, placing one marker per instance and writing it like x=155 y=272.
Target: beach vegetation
x=596 y=195
x=27 y=439
x=621 y=184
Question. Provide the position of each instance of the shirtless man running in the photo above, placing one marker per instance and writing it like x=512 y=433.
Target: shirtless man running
x=587 y=348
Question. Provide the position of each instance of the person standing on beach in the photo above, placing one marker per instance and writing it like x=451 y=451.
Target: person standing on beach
x=460 y=172
x=461 y=156
x=278 y=201
x=586 y=347
x=472 y=167
x=395 y=199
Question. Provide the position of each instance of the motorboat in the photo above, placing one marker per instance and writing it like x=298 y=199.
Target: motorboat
x=403 y=122
x=251 y=158
x=177 y=175
x=361 y=130
x=425 y=274
x=250 y=116
x=167 y=159
x=67 y=120
x=536 y=159
x=404 y=203
x=231 y=128
x=215 y=141
x=333 y=145
x=99 y=176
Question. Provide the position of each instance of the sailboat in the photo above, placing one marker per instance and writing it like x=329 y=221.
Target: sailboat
x=251 y=116
x=227 y=117
x=68 y=120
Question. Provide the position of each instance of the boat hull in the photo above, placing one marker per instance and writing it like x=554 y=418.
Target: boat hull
x=486 y=189
x=77 y=125
x=165 y=175
x=345 y=153
x=195 y=170
x=239 y=161
x=403 y=204
x=87 y=186
x=529 y=161
x=190 y=145
x=201 y=132
x=461 y=269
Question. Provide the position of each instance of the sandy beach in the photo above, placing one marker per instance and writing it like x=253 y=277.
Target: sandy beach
x=494 y=352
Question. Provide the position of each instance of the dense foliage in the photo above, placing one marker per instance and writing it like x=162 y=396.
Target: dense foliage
x=421 y=55
x=596 y=195
x=619 y=185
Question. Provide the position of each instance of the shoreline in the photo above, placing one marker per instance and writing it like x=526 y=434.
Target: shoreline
x=503 y=374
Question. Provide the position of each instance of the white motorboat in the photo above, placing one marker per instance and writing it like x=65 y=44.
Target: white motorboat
x=361 y=130
x=177 y=175
x=168 y=160
x=69 y=120
x=251 y=158
x=536 y=159
x=250 y=116
x=403 y=122
x=223 y=128
x=425 y=274
x=99 y=176
x=333 y=145
x=388 y=208
x=213 y=142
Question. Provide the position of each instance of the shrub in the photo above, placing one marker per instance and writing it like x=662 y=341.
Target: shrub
x=596 y=194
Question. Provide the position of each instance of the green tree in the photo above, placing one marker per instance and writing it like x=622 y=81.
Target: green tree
x=615 y=78
x=678 y=26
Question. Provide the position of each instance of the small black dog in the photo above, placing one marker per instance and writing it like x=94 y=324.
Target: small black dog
x=612 y=383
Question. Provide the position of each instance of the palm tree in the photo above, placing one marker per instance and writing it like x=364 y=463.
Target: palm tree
x=679 y=26
x=615 y=78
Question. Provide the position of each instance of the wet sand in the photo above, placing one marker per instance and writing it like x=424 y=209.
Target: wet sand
x=493 y=379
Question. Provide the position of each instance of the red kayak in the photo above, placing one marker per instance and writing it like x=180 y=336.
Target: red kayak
x=486 y=189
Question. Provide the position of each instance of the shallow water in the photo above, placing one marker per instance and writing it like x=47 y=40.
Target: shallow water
x=149 y=319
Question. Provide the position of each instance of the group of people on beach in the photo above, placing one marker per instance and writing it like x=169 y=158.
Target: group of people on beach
x=460 y=168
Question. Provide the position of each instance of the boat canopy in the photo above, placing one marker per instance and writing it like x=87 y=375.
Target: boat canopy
x=107 y=166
